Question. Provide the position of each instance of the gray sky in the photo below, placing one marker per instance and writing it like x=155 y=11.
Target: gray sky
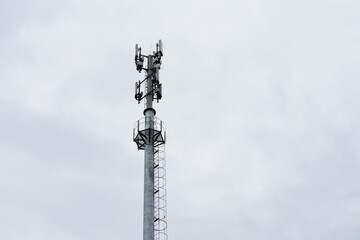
x=260 y=102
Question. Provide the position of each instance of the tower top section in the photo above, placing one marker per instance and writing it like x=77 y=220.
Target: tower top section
x=149 y=88
x=139 y=57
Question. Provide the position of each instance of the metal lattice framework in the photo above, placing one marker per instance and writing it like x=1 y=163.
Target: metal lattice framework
x=140 y=133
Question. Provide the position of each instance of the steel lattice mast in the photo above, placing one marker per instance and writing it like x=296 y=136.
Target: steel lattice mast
x=149 y=136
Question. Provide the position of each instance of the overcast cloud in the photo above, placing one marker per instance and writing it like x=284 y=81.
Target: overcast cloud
x=260 y=100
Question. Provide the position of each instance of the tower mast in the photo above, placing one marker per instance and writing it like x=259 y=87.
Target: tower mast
x=148 y=135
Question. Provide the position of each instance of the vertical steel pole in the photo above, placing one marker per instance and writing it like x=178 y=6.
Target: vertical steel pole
x=149 y=112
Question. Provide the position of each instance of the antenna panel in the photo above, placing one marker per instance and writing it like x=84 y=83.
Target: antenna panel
x=160 y=46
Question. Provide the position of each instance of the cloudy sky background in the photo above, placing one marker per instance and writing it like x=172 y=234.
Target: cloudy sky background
x=260 y=100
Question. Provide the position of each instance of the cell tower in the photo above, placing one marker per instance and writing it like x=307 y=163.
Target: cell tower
x=149 y=135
